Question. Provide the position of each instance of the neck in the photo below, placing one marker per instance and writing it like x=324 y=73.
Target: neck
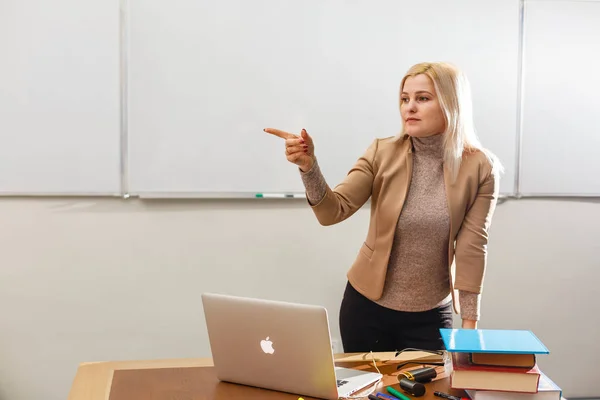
x=429 y=145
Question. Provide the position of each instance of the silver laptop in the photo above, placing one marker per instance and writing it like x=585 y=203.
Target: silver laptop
x=277 y=345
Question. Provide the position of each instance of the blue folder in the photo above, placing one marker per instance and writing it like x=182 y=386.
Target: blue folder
x=504 y=341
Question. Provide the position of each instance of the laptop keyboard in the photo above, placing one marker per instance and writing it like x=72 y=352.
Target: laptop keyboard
x=341 y=382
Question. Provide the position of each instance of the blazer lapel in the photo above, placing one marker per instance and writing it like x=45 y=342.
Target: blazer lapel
x=451 y=203
x=399 y=178
x=449 y=188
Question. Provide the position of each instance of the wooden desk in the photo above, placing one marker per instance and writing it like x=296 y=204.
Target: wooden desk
x=194 y=379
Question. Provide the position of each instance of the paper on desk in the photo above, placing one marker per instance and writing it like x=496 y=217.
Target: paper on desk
x=388 y=356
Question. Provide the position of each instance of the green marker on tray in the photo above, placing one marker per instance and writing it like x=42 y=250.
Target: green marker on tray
x=397 y=393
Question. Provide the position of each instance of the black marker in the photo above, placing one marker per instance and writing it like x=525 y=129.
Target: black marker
x=447 y=396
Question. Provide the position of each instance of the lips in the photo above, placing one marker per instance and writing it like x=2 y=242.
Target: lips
x=412 y=120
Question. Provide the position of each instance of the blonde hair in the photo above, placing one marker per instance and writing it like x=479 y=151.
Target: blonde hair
x=454 y=95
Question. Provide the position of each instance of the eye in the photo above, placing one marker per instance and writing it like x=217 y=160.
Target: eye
x=423 y=98
x=404 y=99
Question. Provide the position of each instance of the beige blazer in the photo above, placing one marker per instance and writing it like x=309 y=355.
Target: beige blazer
x=384 y=173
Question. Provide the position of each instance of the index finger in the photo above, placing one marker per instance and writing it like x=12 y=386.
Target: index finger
x=280 y=133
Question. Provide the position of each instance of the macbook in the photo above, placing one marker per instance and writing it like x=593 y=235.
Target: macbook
x=277 y=345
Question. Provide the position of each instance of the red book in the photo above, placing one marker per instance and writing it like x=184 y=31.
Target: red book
x=466 y=375
x=503 y=360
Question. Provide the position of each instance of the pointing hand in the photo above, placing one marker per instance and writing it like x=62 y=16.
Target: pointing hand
x=299 y=149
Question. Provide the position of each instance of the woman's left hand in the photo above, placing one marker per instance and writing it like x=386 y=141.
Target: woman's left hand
x=469 y=324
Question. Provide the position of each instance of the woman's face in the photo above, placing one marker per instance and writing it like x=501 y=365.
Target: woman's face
x=420 y=109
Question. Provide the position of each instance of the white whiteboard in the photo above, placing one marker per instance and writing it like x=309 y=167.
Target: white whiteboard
x=561 y=125
x=205 y=78
x=59 y=97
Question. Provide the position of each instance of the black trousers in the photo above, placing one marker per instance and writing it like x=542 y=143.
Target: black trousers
x=366 y=326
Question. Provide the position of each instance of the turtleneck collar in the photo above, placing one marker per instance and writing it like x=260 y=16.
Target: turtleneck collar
x=430 y=145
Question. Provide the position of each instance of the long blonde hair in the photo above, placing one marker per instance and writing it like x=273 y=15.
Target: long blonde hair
x=454 y=95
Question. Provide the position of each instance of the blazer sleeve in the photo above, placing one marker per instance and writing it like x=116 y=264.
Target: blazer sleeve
x=351 y=194
x=473 y=236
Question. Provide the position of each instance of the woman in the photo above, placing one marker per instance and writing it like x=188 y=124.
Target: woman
x=433 y=191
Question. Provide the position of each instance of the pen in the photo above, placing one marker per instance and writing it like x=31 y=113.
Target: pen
x=385 y=396
x=447 y=396
x=279 y=196
x=397 y=393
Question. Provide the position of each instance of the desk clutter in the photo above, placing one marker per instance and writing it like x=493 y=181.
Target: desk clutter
x=498 y=365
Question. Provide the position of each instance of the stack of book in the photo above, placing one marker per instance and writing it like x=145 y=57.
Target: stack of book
x=497 y=364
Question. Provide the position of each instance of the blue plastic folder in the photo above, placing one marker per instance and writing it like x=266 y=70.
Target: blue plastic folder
x=503 y=341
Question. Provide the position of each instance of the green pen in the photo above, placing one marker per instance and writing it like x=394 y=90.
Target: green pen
x=397 y=393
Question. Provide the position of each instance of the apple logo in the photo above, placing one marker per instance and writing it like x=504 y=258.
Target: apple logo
x=267 y=346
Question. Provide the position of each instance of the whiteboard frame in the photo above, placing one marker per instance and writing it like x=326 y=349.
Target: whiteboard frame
x=124 y=71
x=215 y=195
x=123 y=57
x=518 y=170
x=560 y=195
x=520 y=88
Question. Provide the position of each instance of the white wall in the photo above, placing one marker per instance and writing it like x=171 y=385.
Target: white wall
x=111 y=279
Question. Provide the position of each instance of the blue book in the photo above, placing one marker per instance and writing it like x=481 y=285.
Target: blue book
x=501 y=341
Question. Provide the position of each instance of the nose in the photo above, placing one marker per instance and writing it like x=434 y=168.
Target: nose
x=411 y=106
